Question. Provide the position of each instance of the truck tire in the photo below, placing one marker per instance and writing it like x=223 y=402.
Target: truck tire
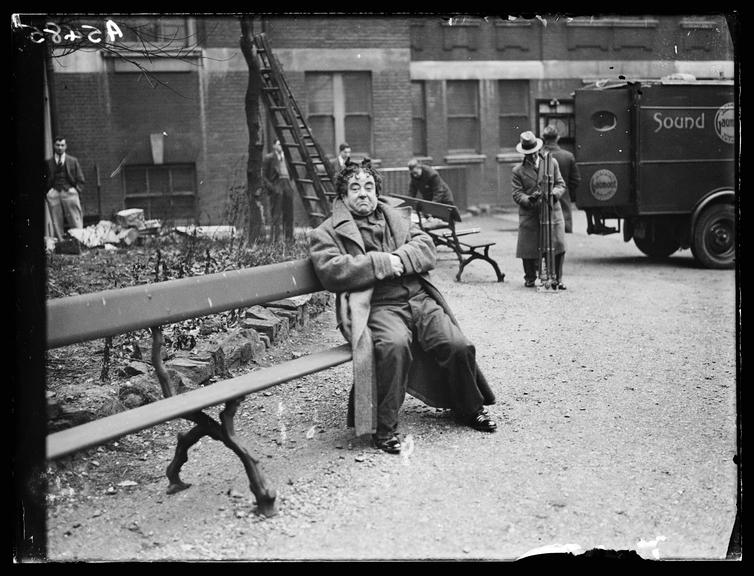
x=714 y=237
x=659 y=243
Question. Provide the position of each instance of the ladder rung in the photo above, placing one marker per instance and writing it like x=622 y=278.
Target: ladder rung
x=312 y=198
x=306 y=180
x=317 y=215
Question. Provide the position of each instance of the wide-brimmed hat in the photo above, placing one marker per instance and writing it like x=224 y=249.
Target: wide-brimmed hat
x=529 y=143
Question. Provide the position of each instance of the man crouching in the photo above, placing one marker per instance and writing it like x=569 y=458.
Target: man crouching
x=403 y=334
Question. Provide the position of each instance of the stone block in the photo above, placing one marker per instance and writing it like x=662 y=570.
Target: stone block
x=195 y=373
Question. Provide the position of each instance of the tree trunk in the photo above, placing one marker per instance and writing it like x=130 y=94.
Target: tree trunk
x=254 y=190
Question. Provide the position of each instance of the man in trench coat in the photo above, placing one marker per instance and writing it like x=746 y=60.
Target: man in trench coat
x=528 y=181
x=403 y=335
x=569 y=170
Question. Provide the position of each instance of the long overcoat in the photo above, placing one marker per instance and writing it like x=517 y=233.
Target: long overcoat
x=344 y=267
x=525 y=181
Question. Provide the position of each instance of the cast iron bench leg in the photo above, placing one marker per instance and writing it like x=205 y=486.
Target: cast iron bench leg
x=473 y=255
x=264 y=494
x=500 y=275
x=206 y=426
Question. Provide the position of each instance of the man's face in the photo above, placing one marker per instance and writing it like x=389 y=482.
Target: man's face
x=60 y=146
x=361 y=197
x=345 y=153
x=416 y=171
x=277 y=147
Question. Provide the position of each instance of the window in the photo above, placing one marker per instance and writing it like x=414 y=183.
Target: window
x=418 y=119
x=513 y=98
x=155 y=31
x=559 y=113
x=166 y=192
x=340 y=110
x=462 y=104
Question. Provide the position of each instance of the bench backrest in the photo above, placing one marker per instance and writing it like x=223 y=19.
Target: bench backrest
x=446 y=212
x=111 y=312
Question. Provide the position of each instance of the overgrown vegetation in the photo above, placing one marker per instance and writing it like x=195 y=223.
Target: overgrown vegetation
x=158 y=259
x=161 y=258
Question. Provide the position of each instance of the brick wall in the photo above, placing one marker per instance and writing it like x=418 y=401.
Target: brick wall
x=88 y=136
x=664 y=37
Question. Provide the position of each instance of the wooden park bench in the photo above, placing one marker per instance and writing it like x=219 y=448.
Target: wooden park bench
x=98 y=315
x=447 y=234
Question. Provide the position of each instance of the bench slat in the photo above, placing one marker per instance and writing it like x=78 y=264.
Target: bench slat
x=481 y=245
x=111 y=427
x=449 y=233
x=111 y=312
x=436 y=209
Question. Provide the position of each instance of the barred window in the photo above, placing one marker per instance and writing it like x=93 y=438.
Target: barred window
x=166 y=192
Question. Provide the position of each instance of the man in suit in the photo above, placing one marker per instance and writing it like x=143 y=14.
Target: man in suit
x=65 y=180
x=527 y=183
x=277 y=183
x=425 y=181
x=403 y=335
x=568 y=170
x=340 y=161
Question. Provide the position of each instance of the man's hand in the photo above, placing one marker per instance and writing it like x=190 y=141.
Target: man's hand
x=397 y=265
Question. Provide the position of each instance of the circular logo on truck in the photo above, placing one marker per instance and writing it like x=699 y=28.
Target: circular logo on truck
x=603 y=185
x=725 y=123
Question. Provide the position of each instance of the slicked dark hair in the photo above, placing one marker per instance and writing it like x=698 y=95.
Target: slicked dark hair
x=349 y=171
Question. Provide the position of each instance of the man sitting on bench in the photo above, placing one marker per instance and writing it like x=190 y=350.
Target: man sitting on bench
x=403 y=334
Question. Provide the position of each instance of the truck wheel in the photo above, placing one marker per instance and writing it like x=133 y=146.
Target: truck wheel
x=714 y=237
x=658 y=245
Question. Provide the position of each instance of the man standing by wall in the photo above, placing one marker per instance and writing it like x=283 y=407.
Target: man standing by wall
x=426 y=181
x=568 y=170
x=277 y=182
x=344 y=154
x=65 y=181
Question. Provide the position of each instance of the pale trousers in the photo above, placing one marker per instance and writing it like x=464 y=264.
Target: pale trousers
x=64 y=207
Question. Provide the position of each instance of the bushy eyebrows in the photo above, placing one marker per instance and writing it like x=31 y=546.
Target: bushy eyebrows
x=356 y=184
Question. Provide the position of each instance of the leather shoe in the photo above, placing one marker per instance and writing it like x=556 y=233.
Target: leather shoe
x=560 y=286
x=529 y=283
x=481 y=421
x=390 y=445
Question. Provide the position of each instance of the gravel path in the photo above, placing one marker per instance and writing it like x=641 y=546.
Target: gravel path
x=616 y=406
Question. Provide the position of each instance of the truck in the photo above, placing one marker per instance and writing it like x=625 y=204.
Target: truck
x=659 y=158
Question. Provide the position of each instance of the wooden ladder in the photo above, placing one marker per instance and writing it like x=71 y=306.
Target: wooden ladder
x=311 y=173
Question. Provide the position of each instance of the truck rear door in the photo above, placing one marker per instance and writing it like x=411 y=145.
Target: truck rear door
x=604 y=148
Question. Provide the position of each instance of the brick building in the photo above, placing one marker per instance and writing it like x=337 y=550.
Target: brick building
x=455 y=92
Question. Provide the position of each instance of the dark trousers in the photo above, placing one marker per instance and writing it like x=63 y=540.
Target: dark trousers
x=281 y=210
x=531 y=267
x=395 y=327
